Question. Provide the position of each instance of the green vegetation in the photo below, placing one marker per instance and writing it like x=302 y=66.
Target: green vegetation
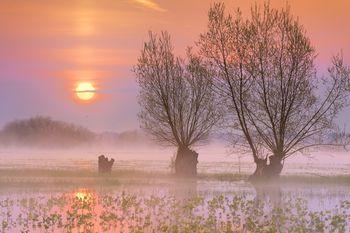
x=87 y=211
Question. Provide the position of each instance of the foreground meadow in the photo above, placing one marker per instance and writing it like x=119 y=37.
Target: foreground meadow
x=86 y=211
x=35 y=200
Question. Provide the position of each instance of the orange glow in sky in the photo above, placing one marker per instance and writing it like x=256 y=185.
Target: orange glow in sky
x=46 y=46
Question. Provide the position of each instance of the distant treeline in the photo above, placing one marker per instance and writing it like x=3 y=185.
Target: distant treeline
x=44 y=132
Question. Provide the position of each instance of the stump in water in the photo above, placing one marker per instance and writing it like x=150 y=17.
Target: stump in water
x=104 y=165
x=186 y=162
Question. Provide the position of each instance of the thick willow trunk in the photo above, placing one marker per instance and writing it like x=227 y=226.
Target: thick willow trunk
x=275 y=166
x=186 y=162
x=260 y=166
x=266 y=171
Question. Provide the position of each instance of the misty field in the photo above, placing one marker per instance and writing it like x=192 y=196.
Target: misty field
x=68 y=195
x=149 y=116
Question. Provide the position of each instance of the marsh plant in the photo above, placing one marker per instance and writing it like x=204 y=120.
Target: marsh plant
x=86 y=211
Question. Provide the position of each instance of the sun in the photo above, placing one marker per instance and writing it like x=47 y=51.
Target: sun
x=85 y=91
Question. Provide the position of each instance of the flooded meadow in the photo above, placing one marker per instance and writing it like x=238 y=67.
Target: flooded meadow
x=66 y=194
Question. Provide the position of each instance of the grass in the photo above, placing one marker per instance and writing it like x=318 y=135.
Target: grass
x=115 y=206
x=51 y=177
x=86 y=211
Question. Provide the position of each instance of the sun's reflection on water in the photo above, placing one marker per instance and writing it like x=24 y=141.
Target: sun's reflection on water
x=84 y=195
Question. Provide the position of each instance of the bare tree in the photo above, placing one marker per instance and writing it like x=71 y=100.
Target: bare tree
x=176 y=98
x=265 y=71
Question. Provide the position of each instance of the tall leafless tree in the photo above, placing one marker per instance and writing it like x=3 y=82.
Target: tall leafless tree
x=265 y=71
x=176 y=98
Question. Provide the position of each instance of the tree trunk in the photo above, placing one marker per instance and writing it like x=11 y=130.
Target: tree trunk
x=275 y=166
x=259 y=170
x=266 y=171
x=186 y=162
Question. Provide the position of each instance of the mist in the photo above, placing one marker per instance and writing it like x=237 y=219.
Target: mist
x=144 y=116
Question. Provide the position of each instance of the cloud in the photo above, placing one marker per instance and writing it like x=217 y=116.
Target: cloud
x=150 y=4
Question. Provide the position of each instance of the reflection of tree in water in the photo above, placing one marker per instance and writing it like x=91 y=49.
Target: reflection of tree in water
x=268 y=198
x=184 y=189
x=269 y=193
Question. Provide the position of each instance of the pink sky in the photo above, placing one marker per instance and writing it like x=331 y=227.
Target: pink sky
x=47 y=47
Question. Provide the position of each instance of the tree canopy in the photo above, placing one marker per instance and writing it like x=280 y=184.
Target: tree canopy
x=176 y=97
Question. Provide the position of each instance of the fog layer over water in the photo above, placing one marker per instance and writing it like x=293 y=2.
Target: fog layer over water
x=60 y=190
x=215 y=158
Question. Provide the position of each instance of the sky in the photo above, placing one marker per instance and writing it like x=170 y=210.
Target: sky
x=48 y=47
